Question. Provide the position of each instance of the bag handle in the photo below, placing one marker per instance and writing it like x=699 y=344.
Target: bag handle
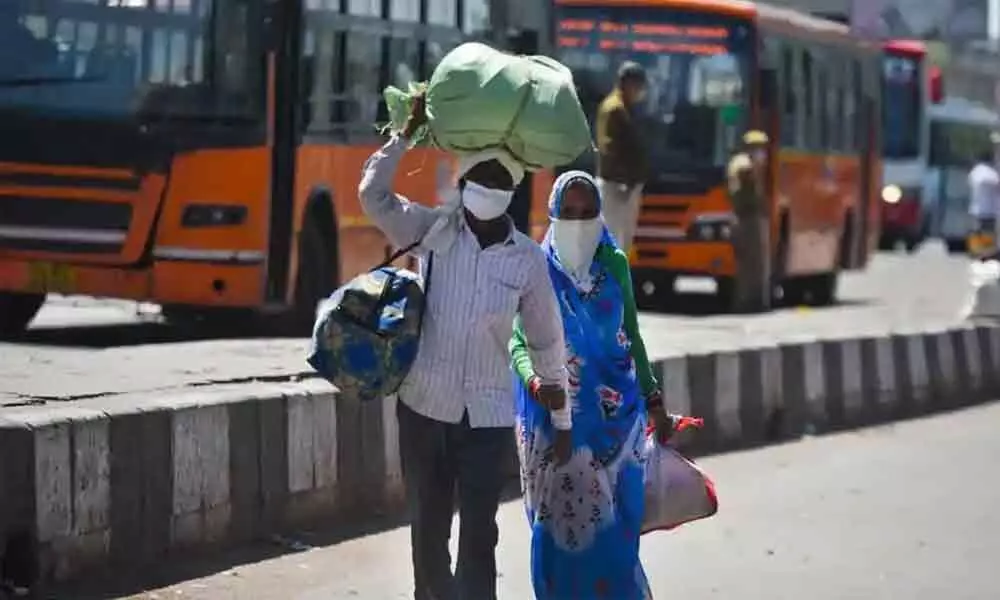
x=427 y=276
x=434 y=228
x=398 y=254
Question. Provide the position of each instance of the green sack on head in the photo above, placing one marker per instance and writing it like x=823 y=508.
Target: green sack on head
x=480 y=98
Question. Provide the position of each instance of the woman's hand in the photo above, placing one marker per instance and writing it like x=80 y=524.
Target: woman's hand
x=418 y=115
x=662 y=423
x=551 y=397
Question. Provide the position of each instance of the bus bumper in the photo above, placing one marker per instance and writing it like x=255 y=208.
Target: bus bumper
x=165 y=282
x=694 y=259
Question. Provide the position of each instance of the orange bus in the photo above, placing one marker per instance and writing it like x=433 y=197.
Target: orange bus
x=202 y=154
x=717 y=68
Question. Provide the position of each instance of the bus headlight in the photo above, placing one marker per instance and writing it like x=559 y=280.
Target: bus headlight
x=711 y=227
x=892 y=194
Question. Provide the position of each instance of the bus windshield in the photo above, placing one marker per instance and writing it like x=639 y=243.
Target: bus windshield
x=902 y=102
x=696 y=64
x=187 y=59
x=958 y=145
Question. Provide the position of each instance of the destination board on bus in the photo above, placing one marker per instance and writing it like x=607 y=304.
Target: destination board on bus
x=642 y=36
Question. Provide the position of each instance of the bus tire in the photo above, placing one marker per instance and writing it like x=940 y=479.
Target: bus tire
x=17 y=310
x=823 y=288
x=779 y=265
x=316 y=277
x=957 y=245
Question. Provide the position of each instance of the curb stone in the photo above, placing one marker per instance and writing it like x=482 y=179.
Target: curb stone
x=129 y=480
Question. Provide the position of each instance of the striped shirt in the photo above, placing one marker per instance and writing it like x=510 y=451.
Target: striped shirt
x=463 y=364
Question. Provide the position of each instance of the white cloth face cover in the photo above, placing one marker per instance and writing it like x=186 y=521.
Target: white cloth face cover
x=576 y=242
x=484 y=203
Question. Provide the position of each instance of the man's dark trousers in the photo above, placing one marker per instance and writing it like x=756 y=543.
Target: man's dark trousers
x=439 y=459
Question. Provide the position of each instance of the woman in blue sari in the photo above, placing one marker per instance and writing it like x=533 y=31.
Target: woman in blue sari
x=586 y=513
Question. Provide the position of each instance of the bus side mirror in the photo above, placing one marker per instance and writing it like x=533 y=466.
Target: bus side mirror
x=768 y=89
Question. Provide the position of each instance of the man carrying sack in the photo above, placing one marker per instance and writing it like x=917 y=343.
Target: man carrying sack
x=751 y=239
x=455 y=407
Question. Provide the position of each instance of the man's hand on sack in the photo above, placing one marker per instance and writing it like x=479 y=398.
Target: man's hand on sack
x=418 y=115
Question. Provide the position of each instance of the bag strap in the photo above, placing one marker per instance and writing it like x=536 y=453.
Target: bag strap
x=398 y=254
x=427 y=276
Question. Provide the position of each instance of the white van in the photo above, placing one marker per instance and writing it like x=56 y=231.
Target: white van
x=960 y=130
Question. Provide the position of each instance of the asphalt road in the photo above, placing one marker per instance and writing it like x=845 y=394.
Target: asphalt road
x=907 y=511
x=83 y=348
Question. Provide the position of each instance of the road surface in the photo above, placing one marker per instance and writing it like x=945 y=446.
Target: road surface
x=84 y=348
x=907 y=511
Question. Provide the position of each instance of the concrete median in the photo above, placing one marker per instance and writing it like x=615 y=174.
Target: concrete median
x=128 y=480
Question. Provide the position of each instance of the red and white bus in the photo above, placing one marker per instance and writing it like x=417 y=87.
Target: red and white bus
x=909 y=86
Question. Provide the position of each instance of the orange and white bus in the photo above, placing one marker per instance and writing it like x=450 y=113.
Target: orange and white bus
x=717 y=68
x=201 y=154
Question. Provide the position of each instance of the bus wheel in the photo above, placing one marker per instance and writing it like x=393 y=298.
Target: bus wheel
x=316 y=278
x=957 y=246
x=17 y=311
x=817 y=290
x=913 y=243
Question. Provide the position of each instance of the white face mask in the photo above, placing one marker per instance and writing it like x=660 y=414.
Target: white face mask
x=484 y=203
x=576 y=242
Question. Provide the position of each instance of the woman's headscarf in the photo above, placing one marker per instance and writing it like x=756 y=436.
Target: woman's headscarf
x=559 y=188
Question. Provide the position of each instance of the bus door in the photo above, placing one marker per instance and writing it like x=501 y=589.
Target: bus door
x=282 y=74
x=869 y=198
x=865 y=221
x=770 y=120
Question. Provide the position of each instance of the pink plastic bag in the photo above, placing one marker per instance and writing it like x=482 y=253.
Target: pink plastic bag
x=677 y=490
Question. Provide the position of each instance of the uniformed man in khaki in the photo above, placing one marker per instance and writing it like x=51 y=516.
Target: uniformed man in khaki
x=751 y=235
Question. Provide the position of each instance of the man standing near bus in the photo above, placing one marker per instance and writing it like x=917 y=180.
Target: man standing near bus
x=984 y=202
x=455 y=408
x=622 y=163
x=745 y=172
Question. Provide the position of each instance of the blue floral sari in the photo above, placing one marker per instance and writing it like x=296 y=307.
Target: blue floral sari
x=586 y=516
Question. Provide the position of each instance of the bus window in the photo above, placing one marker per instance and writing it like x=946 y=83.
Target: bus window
x=958 y=145
x=789 y=119
x=476 y=17
x=810 y=129
x=442 y=12
x=823 y=129
x=364 y=63
x=151 y=62
x=320 y=82
x=368 y=8
x=697 y=65
x=405 y=11
x=901 y=101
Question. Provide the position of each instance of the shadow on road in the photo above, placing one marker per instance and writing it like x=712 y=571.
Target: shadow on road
x=131 y=582
x=709 y=305
x=100 y=336
x=135 y=334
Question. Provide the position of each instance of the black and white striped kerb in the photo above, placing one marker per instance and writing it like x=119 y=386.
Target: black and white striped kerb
x=129 y=480
x=124 y=483
x=770 y=393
